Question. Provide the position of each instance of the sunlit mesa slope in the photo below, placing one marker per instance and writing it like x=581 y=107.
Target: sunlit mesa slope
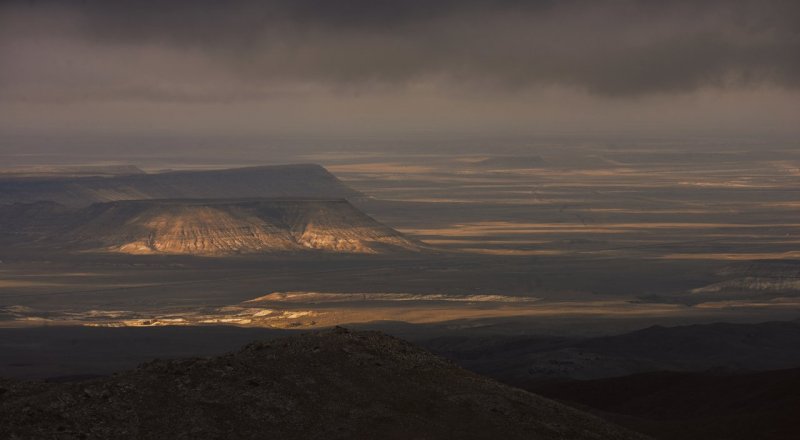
x=304 y=180
x=219 y=227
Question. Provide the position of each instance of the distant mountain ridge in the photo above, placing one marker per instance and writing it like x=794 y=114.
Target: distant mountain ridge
x=206 y=227
x=699 y=347
x=300 y=180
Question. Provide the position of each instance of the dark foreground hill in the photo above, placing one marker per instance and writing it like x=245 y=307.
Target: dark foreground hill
x=202 y=227
x=303 y=180
x=686 y=406
x=332 y=385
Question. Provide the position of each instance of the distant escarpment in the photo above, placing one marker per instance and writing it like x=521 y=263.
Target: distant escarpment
x=208 y=227
x=304 y=180
x=700 y=347
x=331 y=385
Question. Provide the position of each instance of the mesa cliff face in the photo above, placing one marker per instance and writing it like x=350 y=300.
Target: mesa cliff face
x=213 y=212
x=220 y=227
x=331 y=385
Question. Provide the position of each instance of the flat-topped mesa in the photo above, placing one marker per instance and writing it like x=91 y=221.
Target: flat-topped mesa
x=300 y=180
x=236 y=226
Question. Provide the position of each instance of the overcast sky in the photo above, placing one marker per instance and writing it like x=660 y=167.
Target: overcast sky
x=389 y=68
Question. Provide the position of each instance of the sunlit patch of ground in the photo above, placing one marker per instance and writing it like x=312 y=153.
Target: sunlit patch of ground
x=733 y=256
x=60 y=274
x=489 y=228
x=436 y=241
x=771 y=303
x=791 y=205
x=25 y=283
x=730 y=184
x=650 y=211
x=513 y=251
x=231 y=315
x=323 y=297
x=380 y=167
x=253 y=317
x=671 y=240
x=752 y=284
x=288 y=309
x=314 y=309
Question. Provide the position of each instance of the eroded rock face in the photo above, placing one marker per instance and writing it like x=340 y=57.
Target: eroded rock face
x=331 y=385
x=221 y=227
x=202 y=227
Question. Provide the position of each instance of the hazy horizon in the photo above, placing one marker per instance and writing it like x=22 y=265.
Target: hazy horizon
x=384 y=76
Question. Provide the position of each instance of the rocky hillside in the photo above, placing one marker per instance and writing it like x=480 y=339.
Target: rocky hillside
x=305 y=180
x=332 y=385
x=206 y=227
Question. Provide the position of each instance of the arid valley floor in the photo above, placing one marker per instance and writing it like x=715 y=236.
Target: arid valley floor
x=524 y=267
x=670 y=236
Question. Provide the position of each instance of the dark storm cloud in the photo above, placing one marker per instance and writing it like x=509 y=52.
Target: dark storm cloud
x=617 y=48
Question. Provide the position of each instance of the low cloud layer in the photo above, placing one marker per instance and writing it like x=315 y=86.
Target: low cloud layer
x=619 y=48
x=353 y=67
